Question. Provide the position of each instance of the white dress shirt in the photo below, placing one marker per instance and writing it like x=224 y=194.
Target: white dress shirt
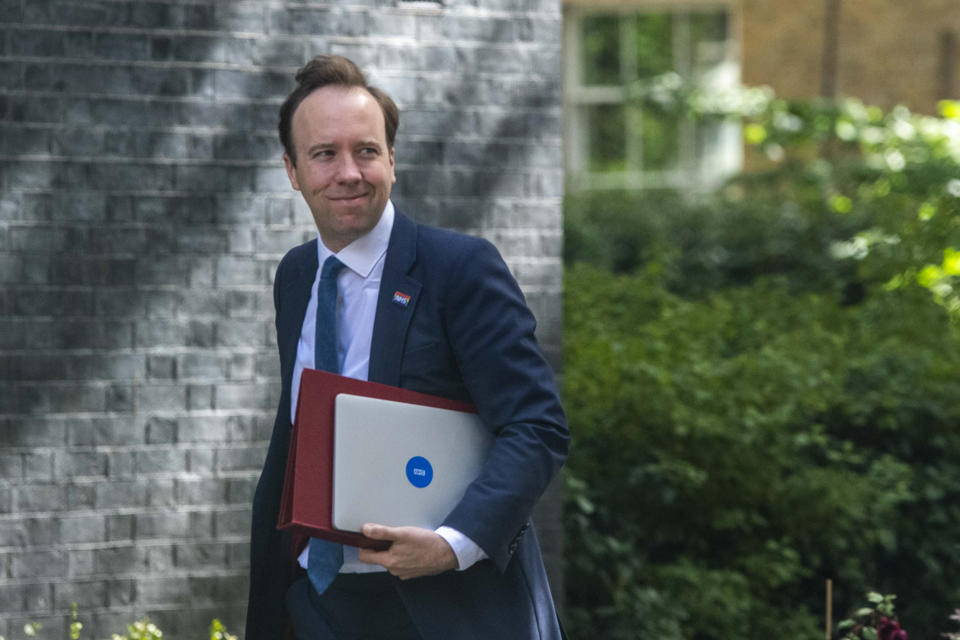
x=358 y=286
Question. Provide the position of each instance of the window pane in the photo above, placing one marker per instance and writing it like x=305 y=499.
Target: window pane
x=600 y=38
x=708 y=38
x=661 y=140
x=654 y=34
x=606 y=142
x=708 y=26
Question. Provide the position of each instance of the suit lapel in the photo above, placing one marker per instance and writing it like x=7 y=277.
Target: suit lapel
x=294 y=299
x=396 y=302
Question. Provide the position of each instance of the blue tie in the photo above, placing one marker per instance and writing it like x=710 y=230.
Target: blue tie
x=325 y=557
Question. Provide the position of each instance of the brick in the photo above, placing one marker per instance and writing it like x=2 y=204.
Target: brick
x=121 y=111
x=161 y=492
x=77 y=142
x=177 y=525
x=11 y=466
x=243 y=17
x=63 y=398
x=201 y=491
x=232 y=523
x=151 y=592
x=249 y=458
x=174 y=333
x=87 y=594
x=39 y=497
x=254 y=428
x=240 y=490
x=161 y=430
x=121 y=46
x=119 y=398
x=11 y=599
x=160 y=558
x=17 y=140
x=120 y=527
x=39 y=109
x=208 y=179
x=38 y=465
x=55 y=303
x=240 y=333
x=35 y=432
x=130 y=176
x=162 y=367
x=156 y=15
x=235 y=396
x=44 y=563
x=10 y=269
x=160 y=397
x=309 y=21
x=199 y=397
x=80 y=464
x=242 y=367
x=77 y=44
x=201 y=459
x=73 y=14
x=81 y=496
x=212 y=555
x=28 y=532
x=244 y=84
x=118 y=431
x=202 y=429
x=160 y=460
x=120 y=592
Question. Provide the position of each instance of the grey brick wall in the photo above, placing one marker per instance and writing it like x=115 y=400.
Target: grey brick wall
x=143 y=208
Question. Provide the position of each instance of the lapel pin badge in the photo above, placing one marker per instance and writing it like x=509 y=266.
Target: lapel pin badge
x=401 y=298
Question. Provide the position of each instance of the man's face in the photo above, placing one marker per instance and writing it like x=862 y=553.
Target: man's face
x=344 y=169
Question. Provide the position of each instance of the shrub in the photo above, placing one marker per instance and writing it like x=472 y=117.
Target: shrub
x=762 y=382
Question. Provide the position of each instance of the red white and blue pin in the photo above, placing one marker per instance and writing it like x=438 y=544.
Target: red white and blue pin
x=401 y=299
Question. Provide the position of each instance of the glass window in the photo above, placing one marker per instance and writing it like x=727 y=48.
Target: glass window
x=617 y=141
x=600 y=36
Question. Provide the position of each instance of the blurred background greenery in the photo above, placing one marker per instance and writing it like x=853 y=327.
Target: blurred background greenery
x=761 y=375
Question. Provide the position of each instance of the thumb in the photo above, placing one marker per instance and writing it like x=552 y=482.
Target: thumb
x=378 y=531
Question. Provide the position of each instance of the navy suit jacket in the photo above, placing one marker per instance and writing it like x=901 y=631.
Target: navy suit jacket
x=466 y=334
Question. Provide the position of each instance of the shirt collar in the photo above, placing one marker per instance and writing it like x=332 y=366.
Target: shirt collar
x=361 y=255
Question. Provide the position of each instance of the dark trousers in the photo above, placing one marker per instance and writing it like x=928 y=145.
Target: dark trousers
x=355 y=607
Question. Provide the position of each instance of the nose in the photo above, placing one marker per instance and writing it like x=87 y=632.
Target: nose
x=348 y=170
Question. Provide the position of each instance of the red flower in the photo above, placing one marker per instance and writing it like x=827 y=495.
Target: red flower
x=890 y=630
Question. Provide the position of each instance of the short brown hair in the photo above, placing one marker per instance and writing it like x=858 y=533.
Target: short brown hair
x=324 y=71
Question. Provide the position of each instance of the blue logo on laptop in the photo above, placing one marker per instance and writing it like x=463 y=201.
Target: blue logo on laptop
x=419 y=472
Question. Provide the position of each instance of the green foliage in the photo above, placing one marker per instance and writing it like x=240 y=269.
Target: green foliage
x=876 y=622
x=762 y=385
x=142 y=629
x=219 y=632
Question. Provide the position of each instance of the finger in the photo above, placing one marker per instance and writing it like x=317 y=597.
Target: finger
x=379 y=531
x=371 y=556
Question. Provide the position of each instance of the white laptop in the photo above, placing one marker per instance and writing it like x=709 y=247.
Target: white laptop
x=400 y=464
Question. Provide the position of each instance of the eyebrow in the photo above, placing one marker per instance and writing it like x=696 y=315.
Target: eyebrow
x=370 y=142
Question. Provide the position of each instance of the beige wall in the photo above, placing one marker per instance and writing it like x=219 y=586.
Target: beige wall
x=889 y=51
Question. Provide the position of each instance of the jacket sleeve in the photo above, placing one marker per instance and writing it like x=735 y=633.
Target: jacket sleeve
x=491 y=332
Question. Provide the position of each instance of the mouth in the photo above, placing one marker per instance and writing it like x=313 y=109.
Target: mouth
x=350 y=198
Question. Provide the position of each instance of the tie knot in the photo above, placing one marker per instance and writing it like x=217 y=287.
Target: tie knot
x=331 y=267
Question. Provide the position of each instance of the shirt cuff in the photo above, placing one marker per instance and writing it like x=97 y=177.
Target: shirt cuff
x=466 y=550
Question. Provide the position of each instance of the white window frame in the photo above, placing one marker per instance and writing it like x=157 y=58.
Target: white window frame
x=726 y=157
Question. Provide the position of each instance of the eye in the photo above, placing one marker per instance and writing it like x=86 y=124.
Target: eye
x=323 y=154
x=370 y=151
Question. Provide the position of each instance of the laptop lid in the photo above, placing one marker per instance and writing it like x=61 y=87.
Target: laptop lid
x=401 y=464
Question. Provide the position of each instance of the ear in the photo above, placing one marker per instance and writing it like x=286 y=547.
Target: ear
x=291 y=171
x=394 y=180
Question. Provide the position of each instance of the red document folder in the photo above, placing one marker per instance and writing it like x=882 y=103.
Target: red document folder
x=306 y=503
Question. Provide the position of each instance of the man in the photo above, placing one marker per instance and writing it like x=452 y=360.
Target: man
x=459 y=329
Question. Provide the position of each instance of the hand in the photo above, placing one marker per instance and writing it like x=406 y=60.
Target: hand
x=415 y=552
